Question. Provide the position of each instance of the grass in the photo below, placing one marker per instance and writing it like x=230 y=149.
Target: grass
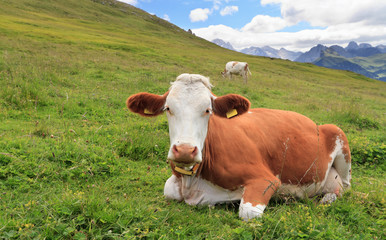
x=375 y=64
x=75 y=164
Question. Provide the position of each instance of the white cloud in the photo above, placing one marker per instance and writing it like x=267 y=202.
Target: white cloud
x=216 y=4
x=229 y=10
x=202 y=14
x=166 y=17
x=301 y=40
x=330 y=12
x=264 y=23
x=341 y=21
x=199 y=14
x=132 y=2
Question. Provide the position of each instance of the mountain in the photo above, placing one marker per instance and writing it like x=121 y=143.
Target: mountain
x=313 y=54
x=330 y=59
x=381 y=48
x=362 y=50
x=223 y=44
x=281 y=53
x=340 y=51
x=363 y=59
x=372 y=67
x=254 y=51
x=352 y=50
x=271 y=52
x=352 y=46
x=354 y=57
x=263 y=52
x=290 y=55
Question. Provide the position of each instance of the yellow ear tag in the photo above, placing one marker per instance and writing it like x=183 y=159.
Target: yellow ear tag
x=146 y=111
x=231 y=113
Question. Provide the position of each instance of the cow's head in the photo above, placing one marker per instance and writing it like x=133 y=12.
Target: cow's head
x=188 y=104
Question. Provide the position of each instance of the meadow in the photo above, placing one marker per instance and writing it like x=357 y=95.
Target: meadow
x=76 y=164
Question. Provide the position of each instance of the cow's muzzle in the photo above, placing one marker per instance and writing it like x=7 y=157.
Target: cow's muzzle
x=184 y=154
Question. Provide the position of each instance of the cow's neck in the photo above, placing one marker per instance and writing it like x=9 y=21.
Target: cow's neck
x=208 y=165
x=220 y=155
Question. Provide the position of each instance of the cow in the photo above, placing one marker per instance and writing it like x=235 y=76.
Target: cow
x=237 y=68
x=223 y=151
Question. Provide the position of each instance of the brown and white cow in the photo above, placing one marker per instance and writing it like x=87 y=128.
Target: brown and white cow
x=221 y=151
x=237 y=68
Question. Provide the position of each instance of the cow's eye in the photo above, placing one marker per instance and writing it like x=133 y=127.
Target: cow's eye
x=167 y=109
x=208 y=111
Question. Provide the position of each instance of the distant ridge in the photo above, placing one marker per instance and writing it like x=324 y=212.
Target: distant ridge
x=313 y=54
x=352 y=50
x=360 y=58
x=223 y=44
x=271 y=52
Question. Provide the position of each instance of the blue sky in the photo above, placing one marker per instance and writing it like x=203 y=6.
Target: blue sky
x=292 y=24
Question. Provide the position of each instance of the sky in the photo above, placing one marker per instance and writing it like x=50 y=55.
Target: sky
x=295 y=25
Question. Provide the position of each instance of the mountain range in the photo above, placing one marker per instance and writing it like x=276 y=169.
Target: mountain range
x=359 y=58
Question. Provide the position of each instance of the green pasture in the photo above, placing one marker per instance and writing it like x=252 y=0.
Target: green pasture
x=76 y=164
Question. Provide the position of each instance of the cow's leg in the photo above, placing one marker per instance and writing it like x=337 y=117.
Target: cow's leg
x=343 y=166
x=337 y=180
x=256 y=197
x=333 y=183
x=172 y=189
x=332 y=188
x=341 y=153
x=339 y=176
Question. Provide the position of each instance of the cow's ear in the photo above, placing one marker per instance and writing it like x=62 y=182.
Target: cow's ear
x=230 y=105
x=146 y=104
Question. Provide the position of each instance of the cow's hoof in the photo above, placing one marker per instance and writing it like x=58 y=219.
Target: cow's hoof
x=247 y=211
x=328 y=198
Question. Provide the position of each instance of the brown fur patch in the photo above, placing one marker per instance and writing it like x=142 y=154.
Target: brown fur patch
x=246 y=68
x=221 y=105
x=153 y=104
x=265 y=144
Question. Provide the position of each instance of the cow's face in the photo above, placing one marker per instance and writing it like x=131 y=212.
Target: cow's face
x=188 y=104
x=188 y=108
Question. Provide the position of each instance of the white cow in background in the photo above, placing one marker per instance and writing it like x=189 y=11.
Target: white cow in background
x=237 y=68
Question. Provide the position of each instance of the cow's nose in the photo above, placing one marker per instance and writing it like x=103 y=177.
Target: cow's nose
x=184 y=153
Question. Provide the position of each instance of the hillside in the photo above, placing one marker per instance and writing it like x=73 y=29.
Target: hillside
x=330 y=59
x=375 y=64
x=368 y=61
x=76 y=164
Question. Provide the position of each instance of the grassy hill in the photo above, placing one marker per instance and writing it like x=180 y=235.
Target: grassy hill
x=373 y=66
x=75 y=164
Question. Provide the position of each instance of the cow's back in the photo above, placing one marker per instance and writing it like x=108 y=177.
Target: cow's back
x=286 y=144
x=229 y=66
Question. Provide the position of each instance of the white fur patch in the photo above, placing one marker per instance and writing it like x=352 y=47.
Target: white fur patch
x=247 y=211
x=197 y=191
x=338 y=148
x=340 y=163
x=193 y=78
x=188 y=100
x=172 y=189
x=300 y=191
